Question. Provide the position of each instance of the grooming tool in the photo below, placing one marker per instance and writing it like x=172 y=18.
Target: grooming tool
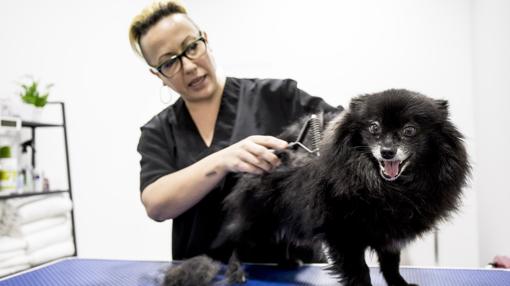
x=312 y=126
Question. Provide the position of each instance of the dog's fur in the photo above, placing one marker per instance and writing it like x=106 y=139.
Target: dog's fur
x=391 y=168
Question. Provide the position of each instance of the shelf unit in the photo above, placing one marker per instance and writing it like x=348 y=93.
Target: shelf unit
x=32 y=125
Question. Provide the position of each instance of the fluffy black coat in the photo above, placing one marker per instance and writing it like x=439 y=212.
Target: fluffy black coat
x=391 y=168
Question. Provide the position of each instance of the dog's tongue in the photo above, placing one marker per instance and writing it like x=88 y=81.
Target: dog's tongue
x=391 y=168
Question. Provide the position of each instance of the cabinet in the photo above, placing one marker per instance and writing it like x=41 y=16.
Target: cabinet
x=29 y=129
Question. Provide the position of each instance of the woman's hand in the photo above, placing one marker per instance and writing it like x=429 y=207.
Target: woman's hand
x=254 y=154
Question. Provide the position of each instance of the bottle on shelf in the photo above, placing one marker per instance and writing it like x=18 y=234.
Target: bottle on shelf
x=10 y=132
x=8 y=170
x=26 y=171
x=37 y=180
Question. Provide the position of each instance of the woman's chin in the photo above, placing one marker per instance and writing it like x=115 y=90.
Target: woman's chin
x=204 y=94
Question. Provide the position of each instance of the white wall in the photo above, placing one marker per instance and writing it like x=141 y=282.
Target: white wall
x=491 y=23
x=335 y=49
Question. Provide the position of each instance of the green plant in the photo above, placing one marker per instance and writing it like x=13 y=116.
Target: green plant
x=32 y=95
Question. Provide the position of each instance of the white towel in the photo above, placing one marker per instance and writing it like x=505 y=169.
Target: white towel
x=10 y=254
x=14 y=261
x=9 y=270
x=24 y=210
x=38 y=225
x=2 y=207
x=51 y=252
x=48 y=207
x=48 y=237
x=18 y=202
x=8 y=244
x=3 y=227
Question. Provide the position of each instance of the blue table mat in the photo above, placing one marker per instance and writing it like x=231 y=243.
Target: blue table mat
x=77 y=271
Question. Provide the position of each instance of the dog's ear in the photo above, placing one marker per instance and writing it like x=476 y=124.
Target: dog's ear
x=357 y=103
x=442 y=106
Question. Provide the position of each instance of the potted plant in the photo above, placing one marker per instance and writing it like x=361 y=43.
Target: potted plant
x=33 y=98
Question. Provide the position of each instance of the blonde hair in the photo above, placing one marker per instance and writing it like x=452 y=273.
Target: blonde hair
x=148 y=17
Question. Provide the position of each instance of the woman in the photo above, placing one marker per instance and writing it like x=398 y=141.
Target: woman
x=218 y=127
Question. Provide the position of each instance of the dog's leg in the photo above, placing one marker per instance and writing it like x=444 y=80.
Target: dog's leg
x=288 y=259
x=349 y=263
x=389 y=261
x=235 y=272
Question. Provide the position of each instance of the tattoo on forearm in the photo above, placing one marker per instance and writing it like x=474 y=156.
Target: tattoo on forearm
x=211 y=173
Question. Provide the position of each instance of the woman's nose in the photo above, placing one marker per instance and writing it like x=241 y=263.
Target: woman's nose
x=188 y=65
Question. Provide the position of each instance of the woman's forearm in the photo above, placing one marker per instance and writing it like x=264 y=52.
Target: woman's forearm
x=173 y=194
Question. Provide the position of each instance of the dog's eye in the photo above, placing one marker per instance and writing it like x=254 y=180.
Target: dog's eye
x=374 y=128
x=409 y=131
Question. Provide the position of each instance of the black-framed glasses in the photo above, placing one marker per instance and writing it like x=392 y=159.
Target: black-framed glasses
x=192 y=51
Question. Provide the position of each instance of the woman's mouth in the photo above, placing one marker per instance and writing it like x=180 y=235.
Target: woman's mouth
x=197 y=82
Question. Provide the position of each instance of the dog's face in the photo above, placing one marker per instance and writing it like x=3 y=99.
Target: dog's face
x=395 y=125
x=392 y=147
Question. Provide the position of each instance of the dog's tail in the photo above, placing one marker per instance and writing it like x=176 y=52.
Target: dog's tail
x=196 y=271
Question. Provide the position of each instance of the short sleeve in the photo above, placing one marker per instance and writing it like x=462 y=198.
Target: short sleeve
x=298 y=103
x=155 y=147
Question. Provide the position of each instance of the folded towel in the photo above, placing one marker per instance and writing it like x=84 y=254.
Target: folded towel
x=38 y=225
x=2 y=207
x=48 y=237
x=18 y=202
x=14 y=261
x=24 y=210
x=51 y=206
x=9 y=270
x=3 y=227
x=51 y=252
x=10 y=254
x=8 y=244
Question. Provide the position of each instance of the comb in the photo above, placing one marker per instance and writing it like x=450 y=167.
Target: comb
x=312 y=127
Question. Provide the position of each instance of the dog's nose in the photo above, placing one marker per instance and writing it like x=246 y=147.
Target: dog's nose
x=388 y=153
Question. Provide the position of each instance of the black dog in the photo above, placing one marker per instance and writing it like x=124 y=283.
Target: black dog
x=391 y=168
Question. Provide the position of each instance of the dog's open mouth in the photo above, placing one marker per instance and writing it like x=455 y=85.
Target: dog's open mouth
x=392 y=169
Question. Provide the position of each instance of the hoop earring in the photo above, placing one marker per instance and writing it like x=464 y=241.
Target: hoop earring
x=169 y=95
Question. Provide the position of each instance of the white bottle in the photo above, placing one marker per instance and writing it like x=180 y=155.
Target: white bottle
x=37 y=180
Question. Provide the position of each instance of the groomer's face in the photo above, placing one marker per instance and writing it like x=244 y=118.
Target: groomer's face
x=194 y=80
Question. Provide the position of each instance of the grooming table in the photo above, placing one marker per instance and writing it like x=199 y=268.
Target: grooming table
x=77 y=271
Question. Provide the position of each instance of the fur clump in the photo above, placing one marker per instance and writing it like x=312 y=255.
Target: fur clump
x=196 y=271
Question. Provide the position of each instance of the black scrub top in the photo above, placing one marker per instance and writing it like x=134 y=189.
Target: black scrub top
x=170 y=141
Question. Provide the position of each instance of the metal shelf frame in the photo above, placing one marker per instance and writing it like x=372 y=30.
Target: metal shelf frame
x=32 y=142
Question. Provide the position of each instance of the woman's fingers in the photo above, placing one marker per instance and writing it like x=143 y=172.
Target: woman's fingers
x=252 y=158
x=263 y=154
x=269 y=142
x=254 y=154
